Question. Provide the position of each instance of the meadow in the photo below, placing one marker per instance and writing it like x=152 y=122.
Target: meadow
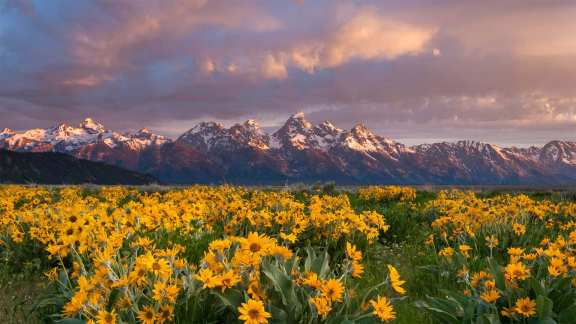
x=228 y=254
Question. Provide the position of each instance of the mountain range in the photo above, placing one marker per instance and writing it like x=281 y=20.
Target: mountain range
x=300 y=152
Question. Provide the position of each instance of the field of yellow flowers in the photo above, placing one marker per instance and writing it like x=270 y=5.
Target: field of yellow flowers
x=229 y=254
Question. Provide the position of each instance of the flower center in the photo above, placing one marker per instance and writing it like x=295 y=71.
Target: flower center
x=255 y=247
x=253 y=313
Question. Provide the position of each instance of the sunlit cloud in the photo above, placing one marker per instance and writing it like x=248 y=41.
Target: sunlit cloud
x=87 y=81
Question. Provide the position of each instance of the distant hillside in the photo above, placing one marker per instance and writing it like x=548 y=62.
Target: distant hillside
x=58 y=168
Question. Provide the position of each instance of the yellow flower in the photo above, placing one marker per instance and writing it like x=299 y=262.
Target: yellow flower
x=515 y=251
x=138 y=275
x=281 y=251
x=333 y=290
x=219 y=245
x=229 y=279
x=519 y=229
x=490 y=284
x=395 y=280
x=525 y=307
x=492 y=241
x=507 y=312
x=75 y=304
x=172 y=293
x=158 y=291
x=105 y=317
x=557 y=267
x=516 y=271
x=478 y=277
x=383 y=309
x=165 y=314
x=147 y=315
x=161 y=268
x=255 y=290
x=465 y=250
x=353 y=253
x=253 y=312
x=322 y=305
x=208 y=278
x=256 y=243
x=446 y=252
x=530 y=256
x=357 y=270
x=312 y=280
x=490 y=295
x=52 y=274
x=288 y=237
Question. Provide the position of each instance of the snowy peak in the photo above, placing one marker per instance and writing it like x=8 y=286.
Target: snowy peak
x=327 y=128
x=204 y=135
x=360 y=130
x=251 y=123
x=297 y=123
x=6 y=132
x=92 y=126
x=559 y=152
x=143 y=132
x=210 y=136
x=360 y=138
x=295 y=134
x=298 y=120
x=324 y=136
x=144 y=138
x=68 y=139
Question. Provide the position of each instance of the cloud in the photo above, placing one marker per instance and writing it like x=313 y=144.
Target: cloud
x=364 y=36
x=274 y=68
x=369 y=36
x=415 y=67
x=88 y=81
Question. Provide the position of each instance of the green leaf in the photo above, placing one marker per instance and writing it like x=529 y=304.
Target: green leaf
x=114 y=296
x=438 y=311
x=498 y=274
x=547 y=320
x=278 y=315
x=282 y=284
x=567 y=315
x=231 y=298
x=492 y=318
x=544 y=307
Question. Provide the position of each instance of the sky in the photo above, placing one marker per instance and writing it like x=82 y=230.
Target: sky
x=416 y=71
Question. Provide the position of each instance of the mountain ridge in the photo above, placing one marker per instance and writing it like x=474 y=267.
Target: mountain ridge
x=299 y=151
x=60 y=168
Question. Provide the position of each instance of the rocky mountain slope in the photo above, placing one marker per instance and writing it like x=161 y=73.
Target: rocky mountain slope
x=300 y=152
x=58 y=168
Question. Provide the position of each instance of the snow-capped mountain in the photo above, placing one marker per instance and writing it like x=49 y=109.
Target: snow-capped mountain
x=89 y=140
x=300 y=151
x=211 y=136
x=68 y=139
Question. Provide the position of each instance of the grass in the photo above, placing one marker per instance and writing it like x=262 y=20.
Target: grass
x=18 y=299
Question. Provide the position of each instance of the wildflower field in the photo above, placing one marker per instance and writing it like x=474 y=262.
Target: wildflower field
x=243 y=255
